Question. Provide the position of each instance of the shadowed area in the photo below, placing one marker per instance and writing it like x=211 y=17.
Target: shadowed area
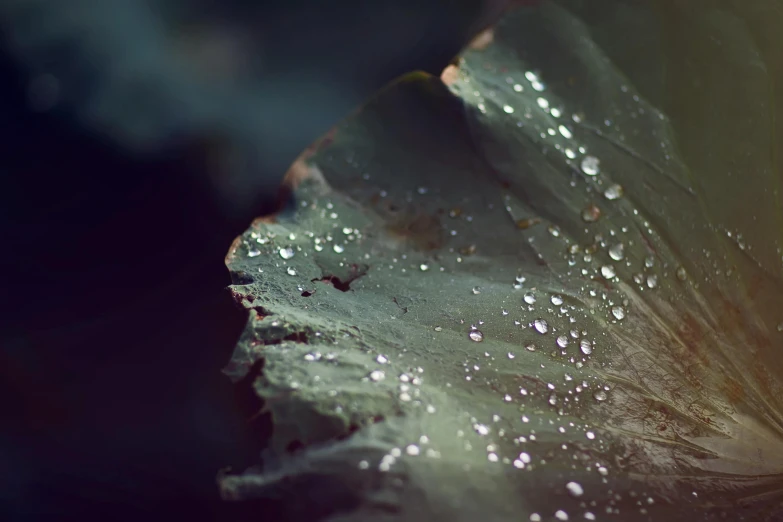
x=137 y=143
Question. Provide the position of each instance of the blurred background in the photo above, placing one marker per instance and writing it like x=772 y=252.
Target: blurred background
x=138 y=139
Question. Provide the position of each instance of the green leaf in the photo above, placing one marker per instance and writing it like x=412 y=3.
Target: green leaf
x=551 y=290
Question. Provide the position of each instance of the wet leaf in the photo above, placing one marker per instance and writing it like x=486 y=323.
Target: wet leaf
x=550 y=290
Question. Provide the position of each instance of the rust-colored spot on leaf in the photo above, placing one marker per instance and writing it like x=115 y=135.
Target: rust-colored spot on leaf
x=733 y=390
x=424 y=231
x=449 y=74
x=524 y=224
x=468 y=250
x=692 y=336
x=482 y=40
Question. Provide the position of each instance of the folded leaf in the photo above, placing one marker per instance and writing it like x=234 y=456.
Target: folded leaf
x=549 y=290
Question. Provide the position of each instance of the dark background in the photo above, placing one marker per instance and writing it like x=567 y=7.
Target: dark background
x=121 y=189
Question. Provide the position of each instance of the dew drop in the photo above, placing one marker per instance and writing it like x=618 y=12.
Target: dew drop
x=561 y=515
x=682 y=275
x=590 y=435
x=508 y=109
x=565 y=132
x=253 y=252
x=780 y=327
x=614 y=191
x=541 y=326
x=608 y=271
x=590 y=165
x=377 y=375
x=476 y=335
x=556 y=299
x=562 y=341
x=424 y=267
x=382 y=359
x=291 y=271
x=586 y=346
x=575 y=489
x=652 y=281
x=287 y=253
x=543 y=103
x=476 y=290
x=591 y=213
x=530 y=347
x=599 y=395
x=618 y=312
x=617 y=251
x=529 y=298
x=518 y=87
x=338 y=248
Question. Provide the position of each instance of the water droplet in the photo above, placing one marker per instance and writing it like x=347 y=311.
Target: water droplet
x=556 y=299
x=780 y=327
x=382 y=359
x=338 y=248
x=291 y=271
x=599 y=395
x=504 y=312
x=589 y=515
x=682 y=275
x=508 y=109
x=617 y=252
x=564 y=131
x=586 y=346
x=253 y=252
x=476 y=335
x=541 y=326
x=438 y=328
x=652 y=281
x=608 y=271
x=618 y=312
x=590 y=165
x=561 y=515
x=287 y=253
x=518 y=87
x=575 y=489
x=535 y=517
x=377 y=375
x=614 y=191
x=543 y=103
x=562 y=341
x=476 y=290
x=529 y=298
x=591 y=213
x=590 y=435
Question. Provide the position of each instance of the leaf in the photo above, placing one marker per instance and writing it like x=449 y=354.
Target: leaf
x=548 y=290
